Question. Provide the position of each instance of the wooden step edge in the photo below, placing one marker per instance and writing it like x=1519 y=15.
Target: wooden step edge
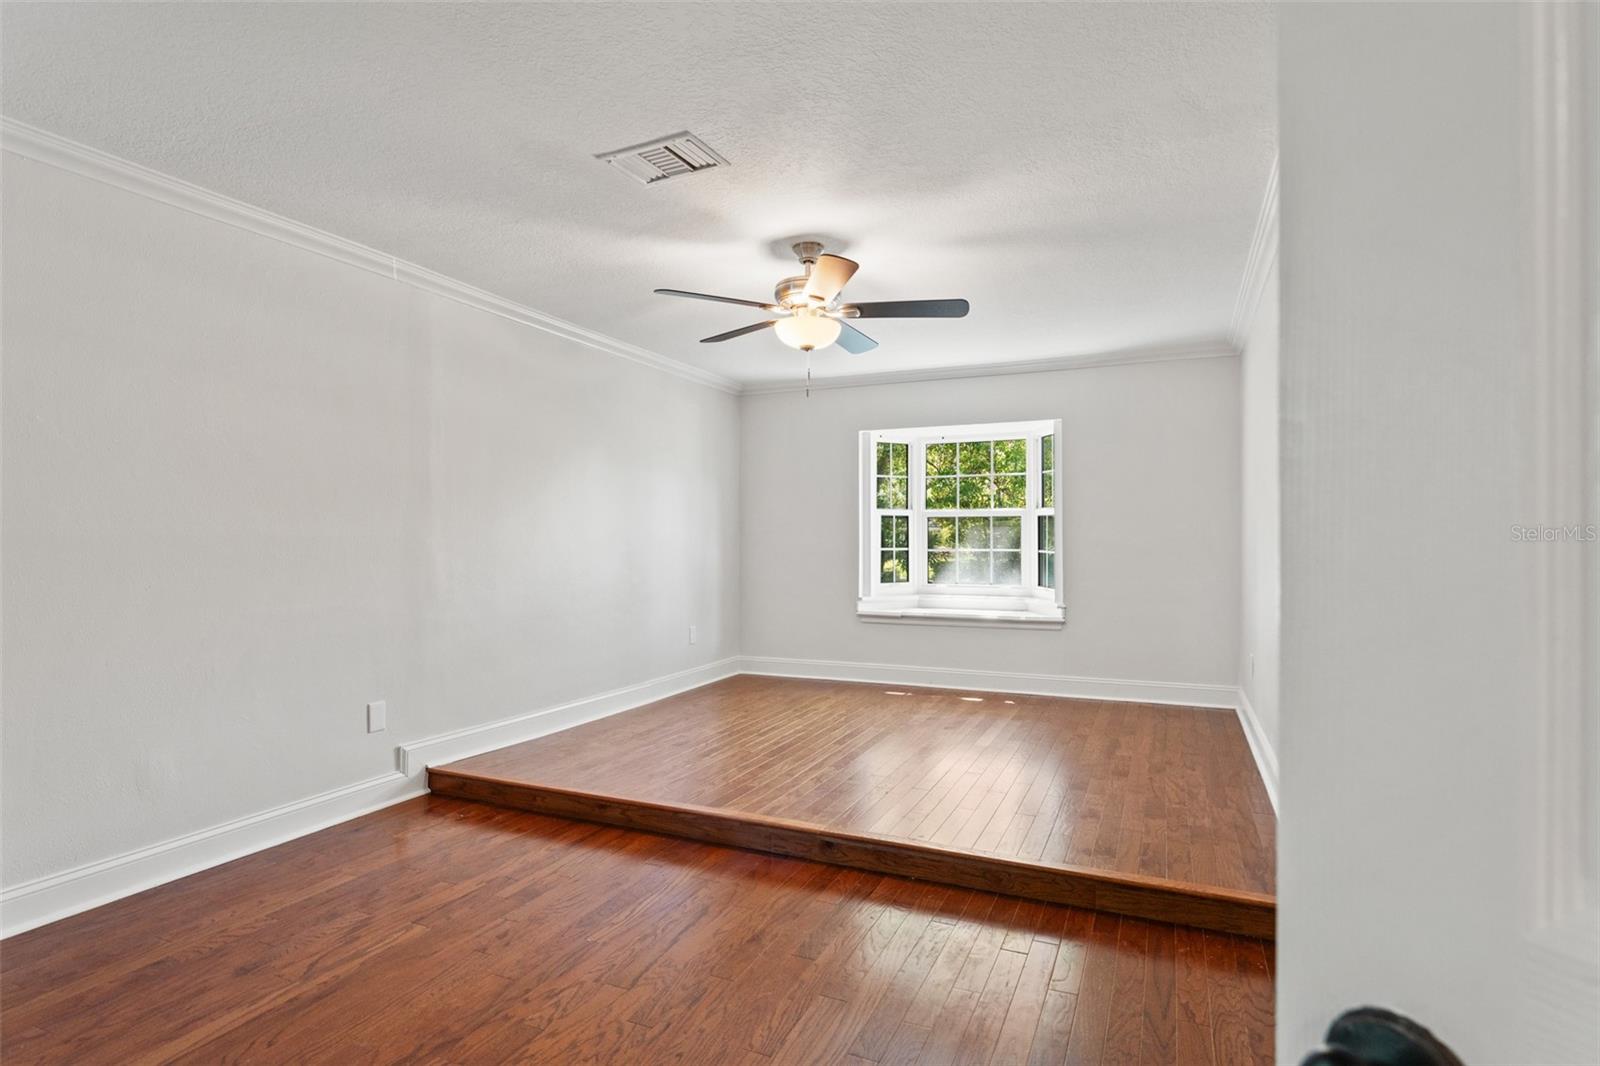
x=1156 y=899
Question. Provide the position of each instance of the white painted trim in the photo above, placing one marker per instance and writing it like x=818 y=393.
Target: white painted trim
x=1258 y=262
x=1558 y=979
x=1260 y=747
x=936 y=616
x=1212 y=349
x=463 y=743
x=41 y=146
x=34 y=903
x=46 y=899
x=48 y=148
x=1092 y=688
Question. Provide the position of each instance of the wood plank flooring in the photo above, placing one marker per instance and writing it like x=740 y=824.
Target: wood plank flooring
x=445 y=931
x=1110 y=801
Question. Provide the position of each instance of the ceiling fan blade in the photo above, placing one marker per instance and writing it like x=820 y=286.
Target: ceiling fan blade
x=853 y=340
x=717 y=299
x=828 y=275
x=732 y=333
x=910 y=309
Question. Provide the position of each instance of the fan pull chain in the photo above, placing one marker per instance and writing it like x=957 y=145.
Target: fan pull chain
x=808 y=375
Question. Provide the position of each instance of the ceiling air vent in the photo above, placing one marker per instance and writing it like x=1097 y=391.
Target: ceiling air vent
x=663 y=158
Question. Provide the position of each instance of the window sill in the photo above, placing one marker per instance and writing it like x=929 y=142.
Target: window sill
x=1044 y=618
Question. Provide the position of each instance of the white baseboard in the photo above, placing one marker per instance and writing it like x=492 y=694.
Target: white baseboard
x=1090 y=688
x=1266 y=758
x=463 y=743
x=46 y=899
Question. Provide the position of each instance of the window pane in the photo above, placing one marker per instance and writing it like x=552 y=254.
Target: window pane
x=941 y=492
x=973 y=567
x=883 y=459
x=975 y=456
x=884 y=494
x=902 y=531
x=899 y=459
x=941 y=459
x=941 y=533
x=1010 y=456
x=1007 y=532
x=1008 y=568
x=1047 y=570
x=1011 y=490
x=886 y=531
x=942 y=568
x=899 y=493
x=1049 y=491
x=976 y=493
x=1047 y=533
x=896 y=567
x=974 y=532
x=1047 y=452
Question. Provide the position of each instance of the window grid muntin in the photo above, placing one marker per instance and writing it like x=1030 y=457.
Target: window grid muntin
x=986 y=468
x=926 y=559
x=892 y=513
x=894 y=549
x=1045 y=563
x=1025 y=574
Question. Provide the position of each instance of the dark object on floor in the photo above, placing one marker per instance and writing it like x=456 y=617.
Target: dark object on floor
x=1372 y=1036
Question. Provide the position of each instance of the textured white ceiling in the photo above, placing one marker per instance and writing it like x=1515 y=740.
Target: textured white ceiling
x=1087 y=175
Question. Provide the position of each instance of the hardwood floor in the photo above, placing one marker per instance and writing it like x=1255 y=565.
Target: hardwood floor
x=446 y=931
x=1150 y=810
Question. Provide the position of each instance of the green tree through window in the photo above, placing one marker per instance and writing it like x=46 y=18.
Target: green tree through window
x=975 y=475
x=963 y=517
x=1047 y=522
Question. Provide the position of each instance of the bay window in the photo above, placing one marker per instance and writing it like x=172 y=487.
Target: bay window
x=959 y=524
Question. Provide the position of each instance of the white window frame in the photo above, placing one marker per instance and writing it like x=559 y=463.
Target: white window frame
x=1026 y=604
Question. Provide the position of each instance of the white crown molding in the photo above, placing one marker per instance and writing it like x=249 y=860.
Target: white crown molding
x=55 y=896
x=51 y=149
x=48 y=148
x=1258 y=263
x=1260 y=748
x=1222 y=697
x=1208 y=349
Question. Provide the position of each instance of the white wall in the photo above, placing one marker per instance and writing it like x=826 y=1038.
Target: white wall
x=1415 y=439
x=248 y=488
x=1260 y=574
x=1150 y=474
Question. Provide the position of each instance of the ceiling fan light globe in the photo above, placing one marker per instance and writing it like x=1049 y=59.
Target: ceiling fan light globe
x=807 y=332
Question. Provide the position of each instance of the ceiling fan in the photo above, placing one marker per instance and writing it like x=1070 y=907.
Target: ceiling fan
x=810 y=315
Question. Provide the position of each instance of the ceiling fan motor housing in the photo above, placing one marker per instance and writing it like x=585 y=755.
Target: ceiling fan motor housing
x=808 y=313
x=789 y=291
x=807 y=251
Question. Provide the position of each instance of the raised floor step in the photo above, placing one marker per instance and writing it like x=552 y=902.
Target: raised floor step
x=1207 y=907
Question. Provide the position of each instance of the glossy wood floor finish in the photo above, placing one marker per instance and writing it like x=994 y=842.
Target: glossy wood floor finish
x=1147 y=810
x=443 y=931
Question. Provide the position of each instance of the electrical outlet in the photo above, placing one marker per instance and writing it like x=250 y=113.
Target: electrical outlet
x=377 y=716
x=694 y=636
